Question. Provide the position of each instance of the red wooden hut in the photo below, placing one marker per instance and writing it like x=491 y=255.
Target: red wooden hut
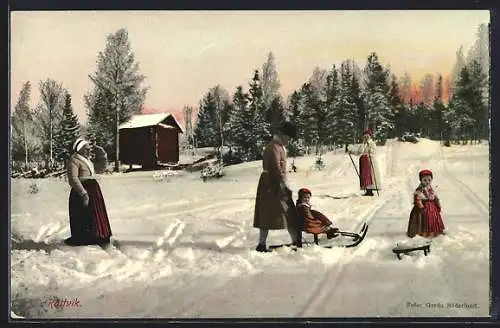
x=149 y=140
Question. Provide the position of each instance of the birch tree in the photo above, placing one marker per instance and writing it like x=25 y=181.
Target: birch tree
x=49 y=113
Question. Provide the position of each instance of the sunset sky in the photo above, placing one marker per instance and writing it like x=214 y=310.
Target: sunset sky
x=183 y=54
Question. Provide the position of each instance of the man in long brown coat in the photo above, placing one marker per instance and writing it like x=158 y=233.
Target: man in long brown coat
x=274 y=208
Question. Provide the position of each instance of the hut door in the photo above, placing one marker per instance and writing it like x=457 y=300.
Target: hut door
x=168 y=145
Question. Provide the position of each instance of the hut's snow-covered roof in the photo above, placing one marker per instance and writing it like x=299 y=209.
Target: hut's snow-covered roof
x=145 y=120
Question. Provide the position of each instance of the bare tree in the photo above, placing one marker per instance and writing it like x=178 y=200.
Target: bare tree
x=428 y=90
x=221 y=101
x=23 y=139
x=405 y=88
x=49 y=111
x=188 y=126
x=270 y=82
x=457 y=67
x=318 y=82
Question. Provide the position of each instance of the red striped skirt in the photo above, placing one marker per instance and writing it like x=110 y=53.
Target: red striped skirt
x=89 y=224
x=365 y=173
x=433 y=219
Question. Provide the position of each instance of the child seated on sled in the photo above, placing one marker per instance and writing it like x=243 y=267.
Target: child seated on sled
x=314 y=222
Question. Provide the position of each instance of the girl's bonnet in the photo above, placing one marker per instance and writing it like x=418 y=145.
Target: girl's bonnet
x=424 y=173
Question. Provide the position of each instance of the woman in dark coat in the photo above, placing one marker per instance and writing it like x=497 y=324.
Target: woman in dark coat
x=87 y=211
x=274 y=207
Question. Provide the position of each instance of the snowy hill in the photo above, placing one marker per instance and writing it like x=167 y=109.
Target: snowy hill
x=187 y=246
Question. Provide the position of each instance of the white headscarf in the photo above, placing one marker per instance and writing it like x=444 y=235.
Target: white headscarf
x=79 y=143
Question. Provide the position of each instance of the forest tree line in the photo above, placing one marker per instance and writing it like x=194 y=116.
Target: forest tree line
x=332 y=108
x=335 y=106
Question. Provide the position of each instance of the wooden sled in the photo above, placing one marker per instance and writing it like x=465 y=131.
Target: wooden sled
x=406 y=249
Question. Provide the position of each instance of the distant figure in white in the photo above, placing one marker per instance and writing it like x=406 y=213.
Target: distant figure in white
x=369 y=174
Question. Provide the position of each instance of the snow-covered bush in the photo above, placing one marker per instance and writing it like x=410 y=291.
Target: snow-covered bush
x=164 y=175
x=212 y=171
x=34 y=188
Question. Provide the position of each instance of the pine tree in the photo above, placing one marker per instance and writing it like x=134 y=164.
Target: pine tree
x=379 y=114
x=117 y=90
x=398 y=110
x=459 y=114
x=477 y=101
x=331 y=105
x=347 y=111
x=98 y=117
x=480 y=53
x=294 y=114
x=241 y=134
x=68 y=132
x=457 y=68
x=206 y=125
x=359 y=102
x=309 y=115
x=376 y=75
x=277 y=112
x=318 y=85
x=262 y=126
x=422 y=118
x=378 y=111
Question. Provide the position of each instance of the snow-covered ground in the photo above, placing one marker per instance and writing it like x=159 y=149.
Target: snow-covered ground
x=187 y=247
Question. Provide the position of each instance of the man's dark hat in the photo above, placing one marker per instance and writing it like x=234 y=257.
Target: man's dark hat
x=289 y=129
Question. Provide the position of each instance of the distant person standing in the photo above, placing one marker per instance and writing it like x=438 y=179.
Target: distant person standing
x=100 y=159
x=274 y=206
x=88 y=217
x=369 y=177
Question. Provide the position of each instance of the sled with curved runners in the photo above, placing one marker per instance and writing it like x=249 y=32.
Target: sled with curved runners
x=356 y=239
x=406 y=249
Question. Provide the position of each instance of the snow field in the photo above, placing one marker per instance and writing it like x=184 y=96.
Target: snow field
x=186 y=247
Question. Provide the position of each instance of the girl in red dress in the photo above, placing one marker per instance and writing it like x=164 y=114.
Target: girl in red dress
x=314 y=222
x=369 y=173
x=425 y=216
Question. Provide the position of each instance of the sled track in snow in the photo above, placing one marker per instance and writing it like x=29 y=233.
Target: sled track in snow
x=241 y=231
x=476 y=200
x=332 y=276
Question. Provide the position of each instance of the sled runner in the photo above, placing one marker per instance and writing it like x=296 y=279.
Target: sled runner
x=357 y=238
x=406 y=248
